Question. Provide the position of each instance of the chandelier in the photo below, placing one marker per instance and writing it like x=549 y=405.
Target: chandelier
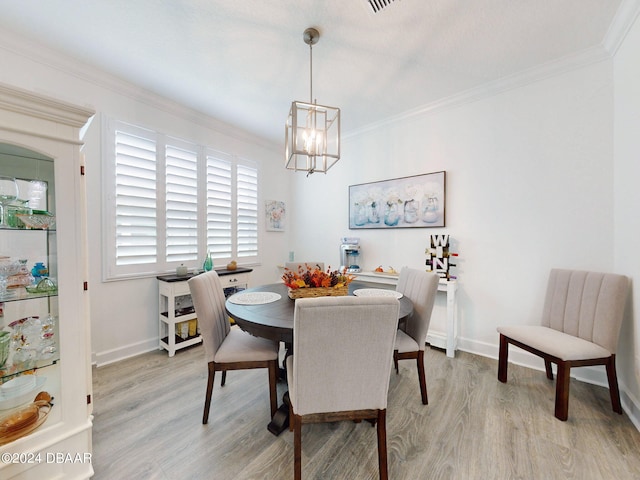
x=312 y=132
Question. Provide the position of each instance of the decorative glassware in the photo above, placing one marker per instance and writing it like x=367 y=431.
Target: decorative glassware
x=5 y=340
x=48 y=346
x=25 y=339
x=39 y=271
x=8 y=194
x=17 y=208
x=208 y=263
x=7 y=268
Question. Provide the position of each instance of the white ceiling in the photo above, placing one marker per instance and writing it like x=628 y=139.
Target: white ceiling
x=244 y=61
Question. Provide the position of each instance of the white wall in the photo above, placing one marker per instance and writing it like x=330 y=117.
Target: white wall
x=529 y=187
x=626 y=201
x=124 y=314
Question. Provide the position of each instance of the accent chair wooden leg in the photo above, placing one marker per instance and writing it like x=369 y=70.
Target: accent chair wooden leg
x=562 y=391
x=421 y=377
x=273 y=380
x=207 y=399
x=395 y=360
x=503 y=356
x=382 y=444
x=224 y=378
x=547 y=367
x=613 y=385
x=297 y=447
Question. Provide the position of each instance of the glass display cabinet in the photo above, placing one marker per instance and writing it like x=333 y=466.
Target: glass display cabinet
x=45 y=368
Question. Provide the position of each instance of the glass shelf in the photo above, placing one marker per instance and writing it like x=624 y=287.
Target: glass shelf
x=18 y=294
x=14 y=229
x=12 y=370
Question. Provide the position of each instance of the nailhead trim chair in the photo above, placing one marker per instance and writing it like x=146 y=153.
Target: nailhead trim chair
x=228 y=348
x=341 y=364
x=581 y=323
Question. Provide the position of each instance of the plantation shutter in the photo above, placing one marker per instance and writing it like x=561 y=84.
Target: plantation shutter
x=219 y=206
x=181 y=202
x=135 y=199
x=247 y=211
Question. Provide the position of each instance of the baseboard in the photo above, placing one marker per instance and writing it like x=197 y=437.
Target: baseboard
x=110 y=356
x=592 y=375
x=437 y=340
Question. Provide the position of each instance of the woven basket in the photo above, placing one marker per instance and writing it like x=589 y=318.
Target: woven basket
x=313 y=292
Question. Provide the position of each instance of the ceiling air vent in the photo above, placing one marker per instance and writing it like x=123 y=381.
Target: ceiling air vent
x=377 y=5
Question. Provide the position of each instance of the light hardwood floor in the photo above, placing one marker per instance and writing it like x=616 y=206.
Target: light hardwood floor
x=148 y=414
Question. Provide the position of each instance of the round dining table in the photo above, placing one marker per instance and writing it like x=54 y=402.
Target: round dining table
x=267 y=311
x=274 y=319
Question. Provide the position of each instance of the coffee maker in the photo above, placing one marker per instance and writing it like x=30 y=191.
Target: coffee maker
x=350 y=255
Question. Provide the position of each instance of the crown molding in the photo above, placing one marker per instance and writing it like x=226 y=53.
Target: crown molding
x=624 y=19
x=43 y=55
x=510 y=82
x=46 y=108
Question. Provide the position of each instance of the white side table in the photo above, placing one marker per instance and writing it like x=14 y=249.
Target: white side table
x=171 y=287
x=450 y=287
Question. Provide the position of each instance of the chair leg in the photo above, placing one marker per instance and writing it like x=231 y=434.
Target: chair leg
x=613 y=385
x=290 y=417
x=562 y=391
x=273 y=380
x=382 y=444
x=395 y=360
x=207 y=400
x=421 y=377
x=547 y=367
x=297 y=447
x=503 y=356
x=224 y=378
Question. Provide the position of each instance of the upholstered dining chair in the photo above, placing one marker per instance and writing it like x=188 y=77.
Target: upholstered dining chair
x=581 y=321
x=228 y=348
x=341 y=364
x=421 y=288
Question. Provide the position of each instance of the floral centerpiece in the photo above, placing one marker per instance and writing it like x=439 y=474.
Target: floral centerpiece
x=314 y=282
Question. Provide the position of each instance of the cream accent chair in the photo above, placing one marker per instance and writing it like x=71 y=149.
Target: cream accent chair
x=421 y=288
x=228 y=348
x=581 y=322
x=341 y=364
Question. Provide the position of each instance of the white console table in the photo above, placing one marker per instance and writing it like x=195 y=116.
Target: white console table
x=449 y=343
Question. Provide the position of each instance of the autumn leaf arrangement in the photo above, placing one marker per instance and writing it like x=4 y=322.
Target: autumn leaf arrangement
x=314 y=277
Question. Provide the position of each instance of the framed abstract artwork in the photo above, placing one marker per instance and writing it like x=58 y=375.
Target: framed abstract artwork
x=275 y=215
x=407 y=202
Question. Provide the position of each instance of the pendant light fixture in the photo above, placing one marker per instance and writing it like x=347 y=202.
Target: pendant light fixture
x=312 y=132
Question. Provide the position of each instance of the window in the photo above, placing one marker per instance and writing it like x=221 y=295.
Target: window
x=168 y=201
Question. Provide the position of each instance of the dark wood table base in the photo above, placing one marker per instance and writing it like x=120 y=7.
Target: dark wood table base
x=280 y=421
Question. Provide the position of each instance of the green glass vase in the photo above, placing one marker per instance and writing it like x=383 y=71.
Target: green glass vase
x=208 y=263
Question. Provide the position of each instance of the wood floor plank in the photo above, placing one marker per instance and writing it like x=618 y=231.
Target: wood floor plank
x=148 y=413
